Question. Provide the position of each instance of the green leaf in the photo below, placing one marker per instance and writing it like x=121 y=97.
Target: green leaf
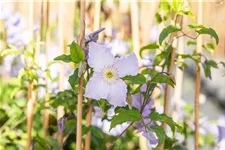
x=207 y=65
x=74 y=79
x=196 y=26
x=69 y=126
x=158 y=18
x=177 y=5
x=85 y=130
x=97 y=132
x=211 y=32
x=162 y=78
x=124 y=116
x=223 y=63
x=209 y=47
x=12 y=50
x=64 y=58
x=76 y=53
x=155 y=116
x=191 y=43
x=138 y=79
x=166 y=31
x=160 y=133
x=194 y=57
x=158 y=59
x=152 y=46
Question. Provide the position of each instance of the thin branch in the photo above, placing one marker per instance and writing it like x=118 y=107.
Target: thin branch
x=113 y=143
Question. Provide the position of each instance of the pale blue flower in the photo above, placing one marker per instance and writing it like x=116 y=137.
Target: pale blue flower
x=108 y=70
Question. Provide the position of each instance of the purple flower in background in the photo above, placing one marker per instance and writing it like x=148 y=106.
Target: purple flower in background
x=148 y=62
x=60 y=124
x=108 y=70
x=138 y=103
x=97 y=121
x=221 y=133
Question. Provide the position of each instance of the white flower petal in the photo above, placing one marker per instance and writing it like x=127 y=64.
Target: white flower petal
x=127 y=65
x=96 y=88
x=99 y=56
x=118 y=93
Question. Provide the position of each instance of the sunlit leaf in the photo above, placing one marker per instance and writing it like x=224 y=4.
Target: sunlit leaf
x=155 y=116
x=125 y=116
x=152 y=46
x=76 y=53
x=138 y=79
x=209 y=31
x=166 y=31
x=64 y=58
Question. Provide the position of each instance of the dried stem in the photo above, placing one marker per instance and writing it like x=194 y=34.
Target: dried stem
x=47 y=41
x=198 y=76
x=80 y=95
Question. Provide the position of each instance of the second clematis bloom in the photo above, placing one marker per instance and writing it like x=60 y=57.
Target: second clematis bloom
x=106 y=82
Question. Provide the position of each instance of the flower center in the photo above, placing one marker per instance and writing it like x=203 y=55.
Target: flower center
x=109 y=74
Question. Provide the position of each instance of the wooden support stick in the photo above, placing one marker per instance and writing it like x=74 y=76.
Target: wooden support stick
x=30 y=113
x=31 y=93
x=47 y=41
x=135 y=28
x=170 y=71
x=60 y=109
x=90 y=108
x=88 y=123
x=198 y=75
x=80 y=95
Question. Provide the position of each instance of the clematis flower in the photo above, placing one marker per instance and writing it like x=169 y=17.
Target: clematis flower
x=108 y=70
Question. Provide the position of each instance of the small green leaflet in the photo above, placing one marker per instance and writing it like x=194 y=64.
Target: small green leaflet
x=211 y=32
x=138 y=79
x=207 y=65
x=161 y=78
x=152 y=46
x=64 y=58
x=124 y=116
x=76 y=53
x=74 y=79
x=155 y=116
x=166 y=31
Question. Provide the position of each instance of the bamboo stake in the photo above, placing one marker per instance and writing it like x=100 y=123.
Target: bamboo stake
x=97 y=15
x=47 y=41
x=198 y=75
x=31 y=92
x=30 y=113
x=88 y=123
x=170 y=71
x=90 y=108
x=136 y=45
x=179 y=81
x=80 y=94
x=60 y=109
x=135 y=28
